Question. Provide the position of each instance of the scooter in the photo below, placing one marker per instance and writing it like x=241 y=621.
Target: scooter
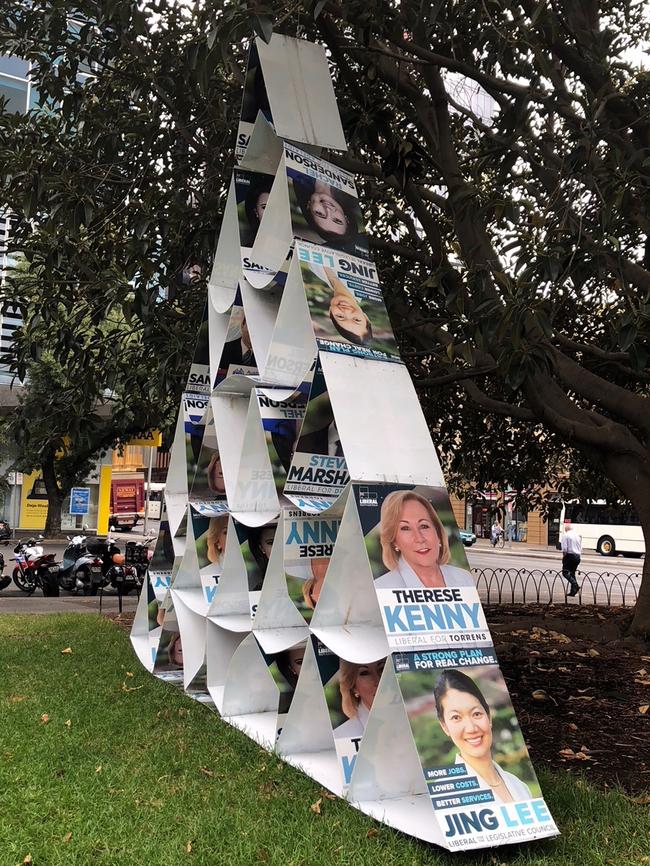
x=115 y=572
x=34 y=569
x=81 y=570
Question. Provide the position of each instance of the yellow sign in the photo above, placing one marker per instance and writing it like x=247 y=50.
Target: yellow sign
x=33 y=502
x=104 y=507
x=150 y=439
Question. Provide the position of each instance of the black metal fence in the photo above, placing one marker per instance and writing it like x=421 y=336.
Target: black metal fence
x=521 y=586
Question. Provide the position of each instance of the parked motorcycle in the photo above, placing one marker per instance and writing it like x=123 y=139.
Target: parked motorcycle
x=5 y=530
x=81 y=571
x=138 y=554
x=115 y=571
x=34 y=569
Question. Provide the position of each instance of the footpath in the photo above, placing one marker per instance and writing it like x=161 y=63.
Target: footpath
x=535 y=551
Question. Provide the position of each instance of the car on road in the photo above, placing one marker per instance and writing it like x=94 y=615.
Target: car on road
x=468 y=538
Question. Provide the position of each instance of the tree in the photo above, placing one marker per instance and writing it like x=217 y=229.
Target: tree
x=513 y=242
x=115 y=179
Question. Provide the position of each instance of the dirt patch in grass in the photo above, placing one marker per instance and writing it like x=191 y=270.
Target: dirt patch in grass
x=581 y=690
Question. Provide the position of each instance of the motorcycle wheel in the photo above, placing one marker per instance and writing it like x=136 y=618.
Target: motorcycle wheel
x=25 y=582
x=84 y=575
x=4 y=582
x=50 y=584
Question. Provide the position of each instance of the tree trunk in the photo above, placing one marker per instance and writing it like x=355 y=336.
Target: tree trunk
x=641 y=621
x=55 y=498
x=632 y=477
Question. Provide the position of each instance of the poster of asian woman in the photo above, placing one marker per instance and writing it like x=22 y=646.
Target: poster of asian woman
x=346 y=305
x=472 y=751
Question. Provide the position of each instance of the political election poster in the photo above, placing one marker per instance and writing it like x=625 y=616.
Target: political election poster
x=198 y=380
x=169 y=657
x=481 y=782
x=346 y=304
x=208 y=484
x=281 y=420
x=256 y=545
x=285 y=667
x=308 y=545
x=318 y=467
x=252 y=190
x=425 y=590
x=210 y=533
x=350 y=690
x=324 y=204
x=162 y=560
x=237 y=355
x=194 y=408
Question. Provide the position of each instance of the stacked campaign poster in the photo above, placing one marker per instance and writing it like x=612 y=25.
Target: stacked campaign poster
x=309 y=583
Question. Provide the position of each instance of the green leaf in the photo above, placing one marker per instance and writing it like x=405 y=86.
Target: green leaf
x=263 y=27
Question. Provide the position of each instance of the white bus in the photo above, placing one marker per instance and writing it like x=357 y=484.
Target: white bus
x=609 y=529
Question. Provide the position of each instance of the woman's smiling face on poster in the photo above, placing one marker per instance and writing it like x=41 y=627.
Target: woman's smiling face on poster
x=349 y=315
x=467 y=724
x=260 y=205
x=266 y=540
x=416 y=538
x=367 y=681
x=215 y=475
x=327 y=213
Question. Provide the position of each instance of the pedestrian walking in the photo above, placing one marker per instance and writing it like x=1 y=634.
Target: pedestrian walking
x=571 y=552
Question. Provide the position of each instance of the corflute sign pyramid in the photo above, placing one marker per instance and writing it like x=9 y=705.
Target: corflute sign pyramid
x=308 y=582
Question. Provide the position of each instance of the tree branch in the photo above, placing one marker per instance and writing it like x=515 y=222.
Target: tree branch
x=499 y=407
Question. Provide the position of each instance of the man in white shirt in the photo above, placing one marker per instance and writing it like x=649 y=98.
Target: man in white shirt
x=571 y=552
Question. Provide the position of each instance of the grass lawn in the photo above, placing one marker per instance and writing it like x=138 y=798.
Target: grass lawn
x=99 y=768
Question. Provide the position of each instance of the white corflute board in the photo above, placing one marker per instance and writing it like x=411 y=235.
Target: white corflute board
x=300 y=92
x=289 y=544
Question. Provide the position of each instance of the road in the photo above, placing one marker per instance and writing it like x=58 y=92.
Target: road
x=524 y=574
x=604 y=580
x=12 y=600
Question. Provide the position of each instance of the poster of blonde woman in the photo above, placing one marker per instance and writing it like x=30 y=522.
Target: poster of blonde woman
x=350 y=691
x=210 y=533
x=308 y=544
x=411 y=537
x=423 y=583
x=346 y=304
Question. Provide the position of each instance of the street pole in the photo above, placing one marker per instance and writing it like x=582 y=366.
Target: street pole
x=148 y=491
x=16 y=502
